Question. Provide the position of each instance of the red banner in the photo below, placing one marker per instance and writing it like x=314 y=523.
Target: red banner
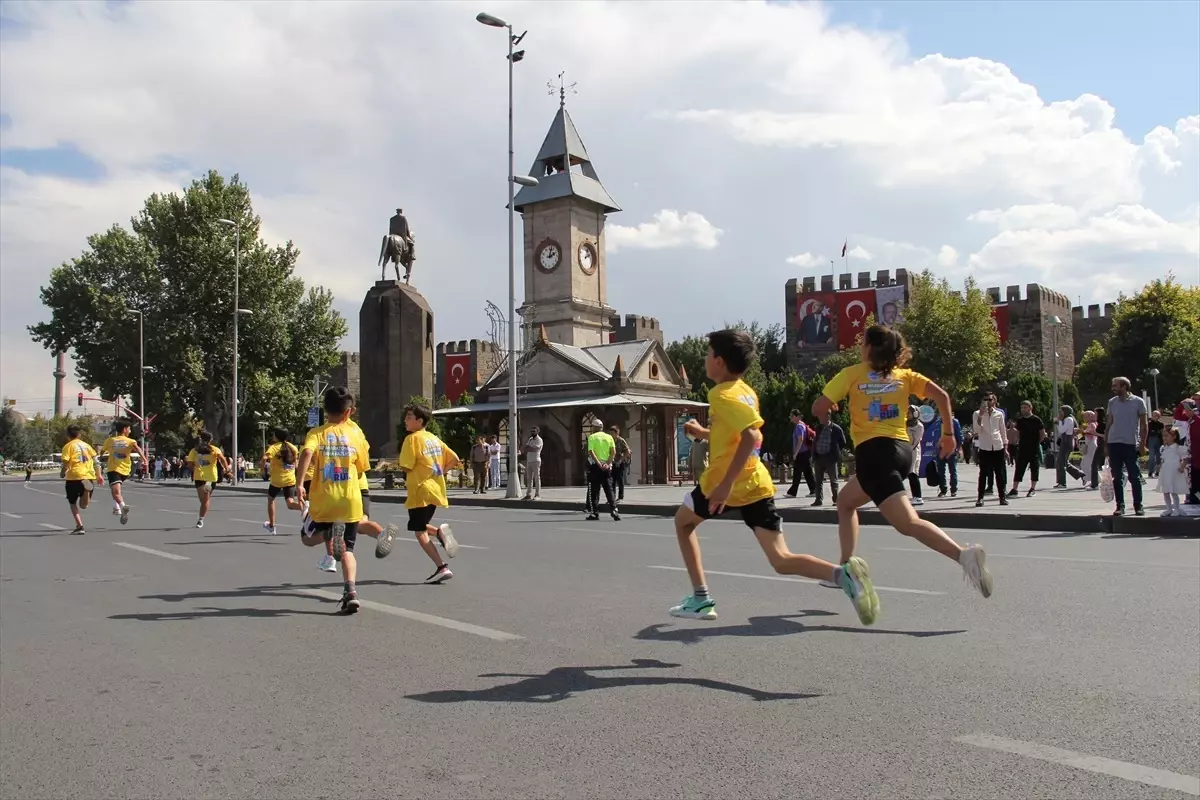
x=458 y=375
x=852 y=310
x=1000 y=322
x=814 y=319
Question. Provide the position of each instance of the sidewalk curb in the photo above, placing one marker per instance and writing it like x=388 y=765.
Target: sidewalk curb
x=1048 y=523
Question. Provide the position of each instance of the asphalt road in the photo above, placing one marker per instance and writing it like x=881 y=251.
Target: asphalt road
x=204 y=668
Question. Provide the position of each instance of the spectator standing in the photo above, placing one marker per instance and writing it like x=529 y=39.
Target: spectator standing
x=1031 y=432
x=1193 y=445
x=621 y=463
x=801 y=456
x=493 y=446
x=1154 y=442
x=698 y=459
x=916 y=434
x=951 y=461
x=828 y=454
x=1128 y=426
x=601 y=450
x=479 y=465
x=1064 y=442
x=990 y=444
x=533 y=464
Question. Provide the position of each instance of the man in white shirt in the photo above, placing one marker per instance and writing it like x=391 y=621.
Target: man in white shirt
x=1064 y=442
x=991 y=441
x=494 y=449
x=533 y=464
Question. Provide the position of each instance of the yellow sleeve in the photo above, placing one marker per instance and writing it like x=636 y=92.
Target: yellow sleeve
x=839 y=385
x=407 y=460
x=312 y=441
x=91 y=454
x=917 y=383
x=449 y=456
x=192 y=457
x=362 y=456
x=740 y=415
x=65 y=455
x=107 y=446
x=272 y=451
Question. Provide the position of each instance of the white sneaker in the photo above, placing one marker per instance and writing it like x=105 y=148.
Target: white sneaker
x=327 y=564
x=269 y=528
x=116 y=511
x=918 y=501
x=448 y=542
x=975 y=570
x=199 y=523
x=125 y=515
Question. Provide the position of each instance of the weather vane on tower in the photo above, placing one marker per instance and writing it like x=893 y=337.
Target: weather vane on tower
x=562 y=89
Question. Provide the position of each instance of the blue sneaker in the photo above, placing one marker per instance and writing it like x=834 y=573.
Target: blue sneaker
x=855 y=580
x=695 y=608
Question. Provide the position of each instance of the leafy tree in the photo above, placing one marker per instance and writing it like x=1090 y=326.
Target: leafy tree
x=1178 y=359
x=952 y=337
x=689 y=353
x=1094 y=374
x=176 y=264
x=458 y=431
x=836 y=362
x=780 y=393
x=1017 y=359
x=1145 y=322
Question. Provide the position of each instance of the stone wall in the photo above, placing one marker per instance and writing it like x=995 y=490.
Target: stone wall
x=347 y=373
x=635 y=327
x=485 y=357
x=1029 y=324
x=1089 y=328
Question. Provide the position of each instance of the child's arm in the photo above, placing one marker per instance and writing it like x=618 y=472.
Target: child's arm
x=695 y=429
x=750 y=439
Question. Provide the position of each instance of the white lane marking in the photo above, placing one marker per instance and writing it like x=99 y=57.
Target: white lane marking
x=1051 y=558
x=173 y=511
x=598 y=529
x=251 y=521
x=10 y=516
x=151 y=551
x=43 y=491
x=791 y=579
x=417 y=616
x=50 y=526
x=471 y=546
x=1104 y=766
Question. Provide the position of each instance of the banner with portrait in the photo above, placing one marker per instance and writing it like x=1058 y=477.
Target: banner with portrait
x=458 y=379
x=814 y=319
x=1000 y=322
x=853 y=308
x=889 y=305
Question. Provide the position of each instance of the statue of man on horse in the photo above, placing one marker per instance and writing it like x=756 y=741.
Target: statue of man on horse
x=398 y=247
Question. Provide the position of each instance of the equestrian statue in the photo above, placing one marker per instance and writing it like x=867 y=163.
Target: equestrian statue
x=398 y=247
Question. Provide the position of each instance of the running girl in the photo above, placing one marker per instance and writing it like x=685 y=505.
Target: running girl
x=204 y=459
x=280 y=460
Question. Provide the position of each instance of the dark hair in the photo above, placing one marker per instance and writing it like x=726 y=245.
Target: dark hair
x=350 y=403
x=121 y=425
x=287 y=451
x=615 y=430
x=336 y=400
x=796 y=412
x=735 y=348
x=73 y=431
x=420 y=412
x=886 y=349
x=205 y=445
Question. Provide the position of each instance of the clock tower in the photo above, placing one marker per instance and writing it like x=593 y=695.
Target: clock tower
x=566 y=282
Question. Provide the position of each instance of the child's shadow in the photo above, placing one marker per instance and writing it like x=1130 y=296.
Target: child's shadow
x=782 y=625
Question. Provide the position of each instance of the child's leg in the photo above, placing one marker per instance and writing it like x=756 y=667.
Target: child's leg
x=86 y=499
x=369 y=528
x=205 y=493
x=900 y=515
x=115 y=488
x=686 y=522
x=75 y=514
x=851 y=497
x=427 y=546
x=270 y=509
x=785 y=562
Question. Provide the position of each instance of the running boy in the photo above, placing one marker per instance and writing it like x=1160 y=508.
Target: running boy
x=80 y=469
x=736 y=480
x=280 y=460
x=879 y=387
x=338 y=453
x=119 y=449
x=425 y=458
x=204 y=459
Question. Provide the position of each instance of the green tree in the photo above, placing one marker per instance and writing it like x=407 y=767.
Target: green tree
x=689 y=353
x=1094 y=374
x=1145 y=322
x=780 y=393
x=176 y=264
x=458 y=431
x=952 y=338
x=1016 y=359
x=1178 y=360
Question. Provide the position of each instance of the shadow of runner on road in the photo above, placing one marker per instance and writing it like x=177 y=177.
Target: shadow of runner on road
x=782 y=625
x=239 y=540
x=561 y=683
x=210 y=612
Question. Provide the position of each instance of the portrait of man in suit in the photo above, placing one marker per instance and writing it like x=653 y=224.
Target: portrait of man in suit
x=815 y=328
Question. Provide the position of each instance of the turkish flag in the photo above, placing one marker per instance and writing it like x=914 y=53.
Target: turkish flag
x=458 y=378
x=1000 y=322
x=852 y=310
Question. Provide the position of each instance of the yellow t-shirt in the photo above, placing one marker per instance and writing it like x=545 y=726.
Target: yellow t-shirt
x=119 y=449
x=80 y=460
x=878 y=403
x=362 y=479
x=733 y=407
x=205 y=468
x=282 y=475
x=339 y=458
x=425 y=458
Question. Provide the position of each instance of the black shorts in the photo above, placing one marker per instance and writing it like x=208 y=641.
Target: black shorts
x=115 y=478
x=881 y=466
x=759 y=514
x=419 y=518
x=274 y=491
x=326 y=531
x=366 y=500
x=77 y=489
x=202 y=484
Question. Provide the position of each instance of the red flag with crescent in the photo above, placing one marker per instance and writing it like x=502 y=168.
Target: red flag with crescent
x=852 y=310
x=458 y=379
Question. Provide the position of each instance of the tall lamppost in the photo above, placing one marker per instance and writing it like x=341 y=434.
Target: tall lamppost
x=1153 y=373
x=1055 y=323
x=514 y=479
x=141 y=378
x=237 y=269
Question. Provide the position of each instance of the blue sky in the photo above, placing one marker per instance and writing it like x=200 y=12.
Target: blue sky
x=1140 y=56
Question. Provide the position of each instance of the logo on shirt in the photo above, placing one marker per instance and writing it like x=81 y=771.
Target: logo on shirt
x=879 y=412
x=748 y=399
x=433 y=451
x=877 y=385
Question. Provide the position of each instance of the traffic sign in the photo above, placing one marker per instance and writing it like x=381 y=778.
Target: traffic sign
x=314 y=417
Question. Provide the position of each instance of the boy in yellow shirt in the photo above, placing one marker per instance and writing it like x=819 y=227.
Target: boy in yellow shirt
x=204 y=458
x=338 y=453
x=80 y=470
x=120 y=448
x=736 y=480
x=426 y=458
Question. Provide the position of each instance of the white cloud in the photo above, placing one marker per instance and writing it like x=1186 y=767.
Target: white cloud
x=669 y=229
x=333 y=125
x=805 y=260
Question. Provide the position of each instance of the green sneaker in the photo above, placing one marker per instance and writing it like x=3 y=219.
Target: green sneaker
x=694 y=608
x=855 y=580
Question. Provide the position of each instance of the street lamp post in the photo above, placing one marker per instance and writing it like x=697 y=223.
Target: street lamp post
x=237 y=269
x=1153 y=373
x=514 y=479
x=1055 y=323
x=141 y=378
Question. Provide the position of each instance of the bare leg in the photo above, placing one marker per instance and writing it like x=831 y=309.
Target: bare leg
x=349 y=567
x=849 y=499
x=372 y=529
x=900 y=515
x=785 y=562
x=271 y=511
x=86 y=500
x=116 y=493
x=428 y=546
x=204 y=493
x=686 y=522
x=75 y=514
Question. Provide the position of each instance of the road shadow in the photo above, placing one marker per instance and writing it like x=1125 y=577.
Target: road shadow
x=239 y=540
x=30 y=534
x=206 y=612
x=281 y=590
x=562 y=683
x=1059 y=535
x=782 y=625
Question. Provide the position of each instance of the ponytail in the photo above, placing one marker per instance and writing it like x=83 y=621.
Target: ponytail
x=205 y=446
x=287 y=450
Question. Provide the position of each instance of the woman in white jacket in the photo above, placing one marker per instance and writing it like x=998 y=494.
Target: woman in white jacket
x=916 y=433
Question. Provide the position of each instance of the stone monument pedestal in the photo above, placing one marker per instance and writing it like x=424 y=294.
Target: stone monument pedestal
x=396 y=355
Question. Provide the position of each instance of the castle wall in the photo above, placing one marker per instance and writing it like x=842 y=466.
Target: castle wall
x=1090 y=326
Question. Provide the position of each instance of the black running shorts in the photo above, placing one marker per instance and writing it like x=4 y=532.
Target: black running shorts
x=419 y=518
x=759 y=514
x=202 y=484
x=274 y=491
x=75 y=490
x=116 y=477
x=881 y=466
x=326 y=531
x=366 y=500
x=307 y=488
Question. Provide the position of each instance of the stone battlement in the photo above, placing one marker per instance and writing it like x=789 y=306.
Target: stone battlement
x=832 y=283
x=1093 y=311
x=634 y=328
x=463 y=346
x=1034 y=293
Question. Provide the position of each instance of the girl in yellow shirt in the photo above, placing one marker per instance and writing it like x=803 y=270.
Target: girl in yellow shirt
x=204 y=458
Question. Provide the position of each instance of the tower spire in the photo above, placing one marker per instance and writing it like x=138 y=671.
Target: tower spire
x=563 y=88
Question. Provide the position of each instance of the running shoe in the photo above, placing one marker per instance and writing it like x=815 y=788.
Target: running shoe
x=445 y=537
x=199 y=523
x=337 y=538
x=829 y=585
x=307 y=528
x=383 y=545
x=855 y=579
x=125 y=515
x=440 y=575
x=327 y=564
x=694 y=608
x=79 y=531
x=116 y=511
x=350 y=604
x=975 y=569
x=269 y=528
x=616 y=517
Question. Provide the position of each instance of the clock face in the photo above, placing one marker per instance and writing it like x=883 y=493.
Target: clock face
x=587 y=258
x=548 y=255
